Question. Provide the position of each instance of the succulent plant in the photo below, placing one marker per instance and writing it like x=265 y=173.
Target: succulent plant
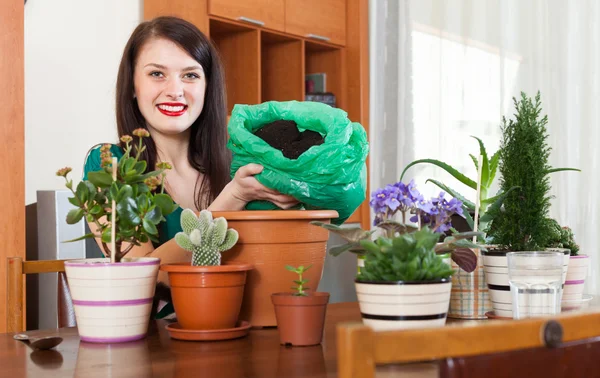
x=205 y=237
x=408 y=257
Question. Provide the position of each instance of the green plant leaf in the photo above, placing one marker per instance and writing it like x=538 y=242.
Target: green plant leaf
x=125 y=191
x=369 y=246
x=74 y=215
x=455 y=173
x=128 y=212
x=553 y=170
x=290 y=268
x=101 y=179
x=74 y=201
x=86 y=236
x=339 y=249
x=485 y=165
x=468 y=217
x=106 y=235
x=493 y=167
x=470 y=205
x=495 y=206
x=475 y=162
x=149 y=227
x=96 y=209
x=82 y=192
x=140 y=167
x=153 y=215
x=165 y=203
x=351 y=234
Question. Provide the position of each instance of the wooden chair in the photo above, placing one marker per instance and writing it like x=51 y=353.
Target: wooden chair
x=14 y=299
x=360 y=348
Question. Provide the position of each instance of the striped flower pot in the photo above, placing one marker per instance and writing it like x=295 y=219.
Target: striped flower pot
x=112 y=301
x=389 y=305
x=495 y=266
x=578 y=270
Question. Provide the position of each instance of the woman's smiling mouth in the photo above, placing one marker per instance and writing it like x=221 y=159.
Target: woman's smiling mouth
x=172 y=109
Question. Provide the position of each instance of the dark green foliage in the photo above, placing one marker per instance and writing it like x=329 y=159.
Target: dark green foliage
x=562 y=237
x=408 y=257
x=520 y=225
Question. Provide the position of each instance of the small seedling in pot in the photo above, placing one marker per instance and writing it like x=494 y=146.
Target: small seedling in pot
x=300 y=290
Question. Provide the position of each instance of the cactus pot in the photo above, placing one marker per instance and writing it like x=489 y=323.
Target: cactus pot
x=112 y=301
x=300 y=320
x=270 y=240
x=207 y=297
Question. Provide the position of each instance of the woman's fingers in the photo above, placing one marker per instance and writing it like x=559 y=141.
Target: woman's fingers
x=250 y=170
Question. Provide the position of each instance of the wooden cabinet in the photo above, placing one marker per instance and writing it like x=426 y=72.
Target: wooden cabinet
x=323 y=20
x=269 y=63
x=265 y=13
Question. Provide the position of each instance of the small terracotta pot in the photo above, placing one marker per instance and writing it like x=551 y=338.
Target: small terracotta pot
x=207 y=297
x=300 y=320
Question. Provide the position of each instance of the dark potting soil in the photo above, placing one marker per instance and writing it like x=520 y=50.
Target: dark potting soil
x=285 y=136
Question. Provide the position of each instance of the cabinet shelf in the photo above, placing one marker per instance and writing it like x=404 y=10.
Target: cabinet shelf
x=282 y=68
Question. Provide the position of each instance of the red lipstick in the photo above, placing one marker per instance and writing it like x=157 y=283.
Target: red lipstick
x=172 y=109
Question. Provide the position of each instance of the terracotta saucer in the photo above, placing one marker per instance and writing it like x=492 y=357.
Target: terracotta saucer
x=491 y=315
x=176 y=332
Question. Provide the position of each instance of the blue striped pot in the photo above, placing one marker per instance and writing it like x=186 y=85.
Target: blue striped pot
x=390 y=305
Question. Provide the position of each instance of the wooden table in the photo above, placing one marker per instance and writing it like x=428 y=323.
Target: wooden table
x=260 y=355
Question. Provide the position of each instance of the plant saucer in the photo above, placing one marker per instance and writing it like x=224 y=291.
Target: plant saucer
x=493 y=316
x=242 y=328
x=576 y=304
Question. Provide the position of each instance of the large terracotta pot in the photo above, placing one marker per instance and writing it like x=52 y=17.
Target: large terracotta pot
x=270 y=240
x=207 y=297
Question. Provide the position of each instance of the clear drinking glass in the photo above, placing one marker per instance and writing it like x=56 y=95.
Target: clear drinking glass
x=535 y=283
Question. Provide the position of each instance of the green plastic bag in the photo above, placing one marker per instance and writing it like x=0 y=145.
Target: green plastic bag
x=331 y=176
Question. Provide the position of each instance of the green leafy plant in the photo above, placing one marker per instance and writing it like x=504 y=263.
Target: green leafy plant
x=521 y=223
x=489 y=168
x=562 y=237
x=408 y=257
x=300 y=288
x=205 y=237
x=139 y=207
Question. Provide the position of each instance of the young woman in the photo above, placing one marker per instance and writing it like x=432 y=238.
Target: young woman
x=171 y=83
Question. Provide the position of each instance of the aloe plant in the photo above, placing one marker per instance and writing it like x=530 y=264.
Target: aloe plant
x=489 y=206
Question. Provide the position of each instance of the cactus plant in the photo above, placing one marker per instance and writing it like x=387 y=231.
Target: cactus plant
x=204 y=237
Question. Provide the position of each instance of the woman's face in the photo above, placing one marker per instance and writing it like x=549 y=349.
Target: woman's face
x=169 y=86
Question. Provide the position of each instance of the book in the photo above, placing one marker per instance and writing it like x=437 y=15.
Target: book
x=316 y=82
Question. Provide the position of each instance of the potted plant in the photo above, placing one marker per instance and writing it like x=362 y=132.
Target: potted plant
x=563 y=238
x=403 y=200
x=301 y=314
x=112 y=297
x=206 y=295
x=521 y=223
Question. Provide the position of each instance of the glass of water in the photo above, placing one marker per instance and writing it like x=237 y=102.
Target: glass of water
x=535 y=283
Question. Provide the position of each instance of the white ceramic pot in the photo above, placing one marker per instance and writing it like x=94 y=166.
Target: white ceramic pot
x=495 y=264
x=112 y=302
x=403 y=304
x=578 y=270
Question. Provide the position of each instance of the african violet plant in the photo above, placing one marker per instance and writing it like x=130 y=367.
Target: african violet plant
x=404 y=199
x=140 y=207
x=205 y=237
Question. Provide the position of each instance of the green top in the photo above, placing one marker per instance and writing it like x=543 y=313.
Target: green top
x=166 y=230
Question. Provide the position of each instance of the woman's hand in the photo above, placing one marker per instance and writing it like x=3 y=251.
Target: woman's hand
x=245 y=188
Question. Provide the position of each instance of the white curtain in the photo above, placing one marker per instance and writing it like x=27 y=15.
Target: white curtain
x=444 y=70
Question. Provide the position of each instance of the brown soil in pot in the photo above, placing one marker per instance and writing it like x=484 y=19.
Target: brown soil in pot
x=285 y=136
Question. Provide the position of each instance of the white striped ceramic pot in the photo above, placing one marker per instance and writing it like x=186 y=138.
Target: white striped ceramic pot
x=578 y=270
x=112 y=302
x=389 y=305
x=495 y=265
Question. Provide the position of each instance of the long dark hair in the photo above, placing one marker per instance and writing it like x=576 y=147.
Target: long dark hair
x=208 y=137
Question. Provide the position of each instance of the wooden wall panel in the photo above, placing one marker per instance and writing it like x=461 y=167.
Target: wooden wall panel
x=12 y=135
x=194 y=11
x=357 y=84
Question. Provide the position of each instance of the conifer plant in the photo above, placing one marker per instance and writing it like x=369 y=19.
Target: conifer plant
x=521 y=223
